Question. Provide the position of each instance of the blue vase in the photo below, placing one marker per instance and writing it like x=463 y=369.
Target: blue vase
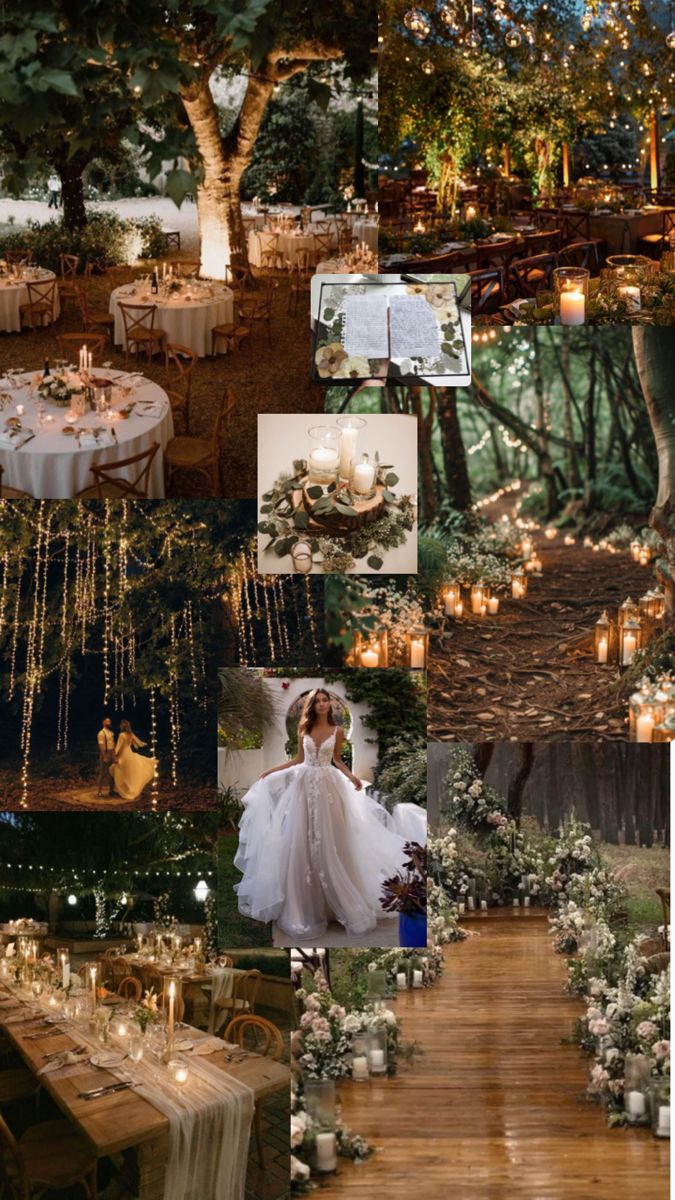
x=412 y=929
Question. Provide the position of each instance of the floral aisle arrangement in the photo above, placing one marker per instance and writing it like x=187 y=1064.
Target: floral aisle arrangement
x=304 y=1130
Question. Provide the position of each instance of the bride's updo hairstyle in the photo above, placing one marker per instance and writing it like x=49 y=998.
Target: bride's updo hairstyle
x=308 y=718
x=125 y=727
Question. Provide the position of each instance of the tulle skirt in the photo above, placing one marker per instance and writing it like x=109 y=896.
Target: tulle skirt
x=313 y=849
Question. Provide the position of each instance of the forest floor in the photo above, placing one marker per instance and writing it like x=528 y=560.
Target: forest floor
x=510 y=677
x=68 y=795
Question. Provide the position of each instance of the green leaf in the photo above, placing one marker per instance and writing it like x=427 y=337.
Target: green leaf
x=319 y=92
x=390 y=497
x=301 y=519
x=391 y=479
x=180 y=184
x=265 y=508
x=375 y=562
x=328 y=314
x=315 y=492
x=346 y=509
x=51 y=80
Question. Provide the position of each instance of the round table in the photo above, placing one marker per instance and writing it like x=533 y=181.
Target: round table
x=186 y=322
x=366 y=230
x=14 y=293
x=288 y=245
x=55 y=466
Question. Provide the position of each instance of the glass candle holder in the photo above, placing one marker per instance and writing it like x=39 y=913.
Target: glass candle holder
x=629 y=610
x=418 y=648
x=480 y=594
x=402 y=975
x=635 y=548
x=349 y=426
x=320 y=1101
x=519 y=583
x=179 y=1071
x=376 y=983
x=660 y=1106
x=451 y=594
x=571 y=294
x=626 y=269
x=416 y=973
x=665 y=732
x=601 y=640
x=63 y=960
x=324 y=454
x=301 y=557
x=363 y=478
x=636 y=1086
x=372 y=650
x=360 y=1070
x=629 y=644
x=377 y=1051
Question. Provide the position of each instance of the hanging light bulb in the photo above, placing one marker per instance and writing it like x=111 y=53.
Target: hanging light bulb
x=72 y=899
x=428 y=67
x=448 y=17
x=473 y=39
x=586 y=21
x=513 y=38
x=201 y=891
x=417 y=21
x=670 y=40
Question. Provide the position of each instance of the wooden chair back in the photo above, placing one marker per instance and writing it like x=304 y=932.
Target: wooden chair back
x=137 y=486
x=185 y=267
x=139 y=320
x=69 y=343
x=151 y=979
x=130 y=988
x=246 y=988
x=10 y=1150
x=580 y=254
x=255 y=1033
x=237 y=277
x=528 y=275
x=576 y=226
x=43 y=292
x=69 y=265
x=542 y=243
x=19 y=258
x=180 y=364
x=120 y=967
x=488 y=290
x=501 y=254
x=323 y=246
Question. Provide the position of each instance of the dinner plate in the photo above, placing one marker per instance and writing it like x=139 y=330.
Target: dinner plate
x=183 y=1044
x=107 y=1059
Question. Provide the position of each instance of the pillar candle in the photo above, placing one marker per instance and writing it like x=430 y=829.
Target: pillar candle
x=572 y=308
x=172 y=1002
x=526 y=902
x=602 y=650
x=401 y=981
x=493 y=605
x=483 y=906
x=663 y=1125
x=347 y=449
x=363 y=477
x=459 y=608
x=645 y=728
x=461 y=908
x=450 y=597
x=377 y=1056
x=360 y=1067
x=629 y=647
x=370 y=657
x=417 y=653
x=470 y=903
x=635 y=1104
x=326 y=1158
x=65 y=971
x=516 y=589
x=418 y=979
x=516 y=903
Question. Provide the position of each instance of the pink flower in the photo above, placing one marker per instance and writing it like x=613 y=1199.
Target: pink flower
x=600 y=1027
x=647 y=1030
x=661 y=1049
x=599 y=1079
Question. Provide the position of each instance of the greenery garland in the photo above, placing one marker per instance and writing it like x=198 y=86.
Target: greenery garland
x=340 y=550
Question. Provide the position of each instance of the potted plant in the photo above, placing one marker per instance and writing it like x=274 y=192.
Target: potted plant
x=406 y=894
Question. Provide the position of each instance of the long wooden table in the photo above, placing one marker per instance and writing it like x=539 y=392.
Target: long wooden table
x=124 y=1120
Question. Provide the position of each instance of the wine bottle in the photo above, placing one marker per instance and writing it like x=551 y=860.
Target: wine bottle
x=45 y=373
x=154 y=287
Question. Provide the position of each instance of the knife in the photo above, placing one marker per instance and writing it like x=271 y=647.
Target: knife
x=104 y=1091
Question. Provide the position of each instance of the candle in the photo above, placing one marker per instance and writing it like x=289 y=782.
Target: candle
x=172 y=1002
x=401 y=980
x=323 y=464
x=635 y=1104
x=629 y=648
x=461 y=908
x=493 y=605
x=459 y=608
x=483 y=906
x=364 y=475
x=418 y=979
x=483 y=609
x=526 y=902
x=602 y=650
x=516 y=903
x=645 y=728
x=635 y=551
x=20 y=410
x=198 y=945
x=326 y=1158
x=632 y=298
x=347 y=449
x=476 y=599
x=65 y=971
x=526 y=547
x=516 y=589
x=121 y=1029
x=417 y=653
x=360 y=1067
x=179 y=1072
x=377 y=1056
x=450 y=598
x=663 y=1125
x=572 y=308
x=370 y=657
x=470 y=903
x=92 y=976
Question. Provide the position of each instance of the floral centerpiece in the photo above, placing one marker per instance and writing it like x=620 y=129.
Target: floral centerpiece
x=303 y=1136
x=59 y=389
x=147 y=1012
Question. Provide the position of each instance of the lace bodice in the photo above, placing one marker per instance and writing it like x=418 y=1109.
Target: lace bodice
x=321 y=757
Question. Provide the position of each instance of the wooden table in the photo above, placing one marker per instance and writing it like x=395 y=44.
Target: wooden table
x=124 y=1120
x=198 y=1006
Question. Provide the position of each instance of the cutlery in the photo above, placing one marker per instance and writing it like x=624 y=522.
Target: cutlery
x=104 y=1091
x=47 y=1033
x=57 y=1053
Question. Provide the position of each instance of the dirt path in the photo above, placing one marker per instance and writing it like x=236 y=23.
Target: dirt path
x=507 y=677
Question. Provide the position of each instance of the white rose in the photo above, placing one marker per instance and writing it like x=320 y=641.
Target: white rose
x=299 y=1170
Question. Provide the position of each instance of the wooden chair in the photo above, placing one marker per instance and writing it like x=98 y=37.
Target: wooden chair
x=181 y=362
x=528 y=275
x=299 y=280
x=242 y=1000
x=185 y=267
x=172 y=238
x=201 y=455
x=488 y=290
x=238 y=278
x=270 y=256
x=18 y=258
x=9 y=493
x=130 y=988
x=233 y=335
x=653 y=244
x=323 y=246
x=119 y=968
x=108 y=486
x=41 y=306
x=500 y=254
x=17 y=1084
x=92 y=318
x=67 y=280
x=50 y=1156
x=542 y=243
x=179 y=1004
x=580 y=254
x=140 y=330
x=151 y=979
x=70 y=343
x=261 y=310
x=272 y=1047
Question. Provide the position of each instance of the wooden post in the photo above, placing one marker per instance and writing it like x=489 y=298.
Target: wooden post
x=653 y=151
x=507 y=161
x=566 y=164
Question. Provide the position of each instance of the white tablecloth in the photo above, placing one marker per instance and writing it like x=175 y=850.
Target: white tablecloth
x=13 y=294
x=54 y=466
x=187 y=322
x=366 y=231
x=288 y=245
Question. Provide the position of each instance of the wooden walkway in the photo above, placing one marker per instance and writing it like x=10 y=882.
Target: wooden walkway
x=495 y=1109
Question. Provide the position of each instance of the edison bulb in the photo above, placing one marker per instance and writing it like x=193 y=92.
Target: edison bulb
x=513 y=38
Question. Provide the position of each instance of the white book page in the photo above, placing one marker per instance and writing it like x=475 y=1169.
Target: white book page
x=415 y=332
x=366 y=331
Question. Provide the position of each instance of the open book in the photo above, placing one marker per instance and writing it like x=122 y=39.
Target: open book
x=401 y=332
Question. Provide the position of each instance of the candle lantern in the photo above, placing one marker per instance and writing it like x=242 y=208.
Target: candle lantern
x=349 y=428
x=179 y=1071
x=636 y=1085
x=635 y=550
x=372 y=650
x=320 y=1106
x=647 y=710
x=626 y=269
x=645 y=555
x=526 y=547
x=360 y=1057
x=63 y=959
x=659 y=604
x=660 y=1106
x=519 y=584
x=602 y=633
x=480 y=595
x=324 y=454
x=629 y=610
x=418 y=648
x=571 y=294
x=376 y=984
x=451 y=594
x=665 y=732
x=629 y=643
x=416 y=973
x=377 y=1051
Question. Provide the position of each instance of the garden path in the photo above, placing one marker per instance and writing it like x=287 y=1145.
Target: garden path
x=495 y=1106
x=509 y=677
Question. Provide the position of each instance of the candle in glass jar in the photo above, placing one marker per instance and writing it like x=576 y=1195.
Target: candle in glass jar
x=360 y=1067
x=526 y=547
x=632 y=298
x=376 y=1056
x=635 y=1104
x=483 y=906
x=516 y=589
x=644 y=728
x=418 y=979
x=516 y=903
x=461 y=908
x=470 y=903
x=459 y=608
x=180 y=1072
x=572 y=308
x=493 y=605
x=629 y=648
x=483 y=609
x=450 y=598
x=602 y=650
x=370 y=657
x=324 y=457
x=65 y=971
x=362 y=480
x=663 y=1124
x=417 y=653
x=526 y=902
x=326 y=1158
x=401 y=980
x=347 y=450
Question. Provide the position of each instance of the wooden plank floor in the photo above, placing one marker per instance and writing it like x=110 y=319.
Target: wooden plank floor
x=495 y=1109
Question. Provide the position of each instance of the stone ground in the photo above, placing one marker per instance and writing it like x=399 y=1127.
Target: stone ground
x=272 y=378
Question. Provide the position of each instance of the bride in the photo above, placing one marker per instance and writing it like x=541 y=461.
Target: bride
x=313 y=847
x=131 y=772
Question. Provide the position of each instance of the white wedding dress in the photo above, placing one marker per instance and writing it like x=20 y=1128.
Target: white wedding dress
x=313 y=849
x=132 y=772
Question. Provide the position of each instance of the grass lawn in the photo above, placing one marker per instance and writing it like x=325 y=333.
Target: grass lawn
x=234 y=930
x=642 y=870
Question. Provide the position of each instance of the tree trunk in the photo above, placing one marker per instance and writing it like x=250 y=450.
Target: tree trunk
x=655 y=358
x=572 y=466
x=424 y=433
x=359 y=171
x=589 y=437
x=454 y=456
x=72 y=197
x=545 y=465
x=517 y=784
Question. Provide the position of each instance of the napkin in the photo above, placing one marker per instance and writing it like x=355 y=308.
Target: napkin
x=15 y=437
x=89 y=437
x=211 y=1045
x=150 y=408
x=67 y=1059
